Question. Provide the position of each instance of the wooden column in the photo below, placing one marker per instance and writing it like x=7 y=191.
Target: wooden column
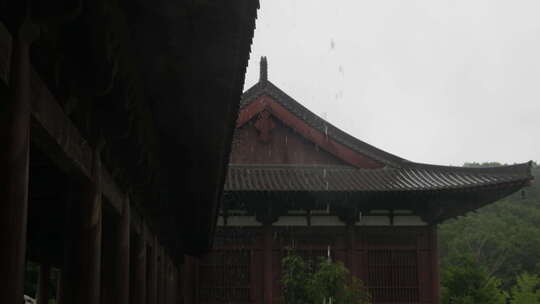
x=180 y=285
x=168 y=278
x=59 y=287
x=14 y=163
x=268 y=270
x=351 y=250
x=159 y=278
x=116 y=259
x=151 y=292
x=81 y=269
x=138 y=282
x=43 y=283
x=435 y=265
x=188 y=279
x=88 y=268
x=123 y=256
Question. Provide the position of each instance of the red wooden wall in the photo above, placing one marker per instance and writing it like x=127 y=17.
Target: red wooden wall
x=396 y=263
x=282 y=146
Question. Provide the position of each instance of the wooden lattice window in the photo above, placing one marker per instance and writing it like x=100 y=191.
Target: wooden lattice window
x=393 y=275
x=225 y=276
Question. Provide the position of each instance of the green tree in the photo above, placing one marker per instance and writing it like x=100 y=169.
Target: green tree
x=465 y=282
x=304 y=284
x=296 y=278
x=526 y=291
x=503 y=237
x=331 y=281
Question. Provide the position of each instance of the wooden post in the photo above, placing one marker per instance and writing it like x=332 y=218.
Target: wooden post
x=188 y=279
x=152 y=275
x=180 y=285
x=168 y=280
x=81 y=269
x=88 y=269
x=435 y=265
x=138 y=286
x=123 y=256
x=268 y=274
x=116 y=260
x=43 y=283
x=58 y=286
x=168 y=277
x=14 y=166
x=159 y=275
x=351 y=250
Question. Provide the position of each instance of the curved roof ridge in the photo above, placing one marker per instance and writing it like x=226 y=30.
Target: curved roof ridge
x=329 y=179
x=514 y=169
x=317 y=122
x=308 y=167
x=522 y=169
x=390 y=160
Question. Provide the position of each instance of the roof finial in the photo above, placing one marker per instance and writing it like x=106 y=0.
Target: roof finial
x=264 y=70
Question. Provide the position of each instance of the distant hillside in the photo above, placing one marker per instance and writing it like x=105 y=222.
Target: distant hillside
x=503 y=238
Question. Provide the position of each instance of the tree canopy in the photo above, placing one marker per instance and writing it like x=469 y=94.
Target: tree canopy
x=498 y=245
x=320 y=282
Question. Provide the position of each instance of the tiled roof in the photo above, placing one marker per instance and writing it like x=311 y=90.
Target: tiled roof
x=269 y=89
x=416 y=177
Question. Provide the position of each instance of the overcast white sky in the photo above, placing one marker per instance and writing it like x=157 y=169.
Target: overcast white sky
x=434 y=81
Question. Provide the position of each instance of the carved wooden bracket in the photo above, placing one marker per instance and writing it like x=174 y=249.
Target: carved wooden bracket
x=264 y=125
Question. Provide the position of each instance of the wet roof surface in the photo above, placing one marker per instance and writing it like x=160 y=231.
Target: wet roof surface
x=417 y=177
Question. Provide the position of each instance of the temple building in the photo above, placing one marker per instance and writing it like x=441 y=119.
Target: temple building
x=295 y=180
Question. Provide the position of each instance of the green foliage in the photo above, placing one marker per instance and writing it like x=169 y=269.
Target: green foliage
x=465 y=282
x=503 y=238
x=526 y=290
x=302 y=284
x=296 y=276
x=331 y=281
x=31 y=278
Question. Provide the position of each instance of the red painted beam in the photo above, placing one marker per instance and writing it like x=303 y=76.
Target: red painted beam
x=298 y=125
